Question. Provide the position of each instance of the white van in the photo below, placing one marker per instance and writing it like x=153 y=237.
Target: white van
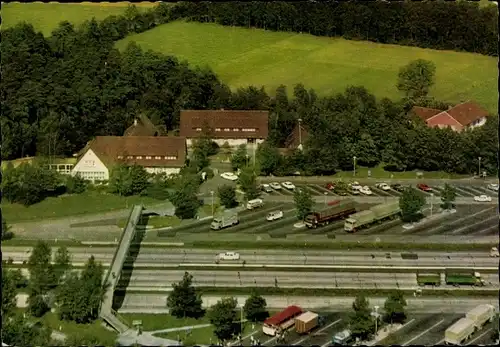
x=254 y=204
x=228 y=256
x=274 y=215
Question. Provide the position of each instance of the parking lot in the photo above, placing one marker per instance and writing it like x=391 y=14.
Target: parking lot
x=424 y=330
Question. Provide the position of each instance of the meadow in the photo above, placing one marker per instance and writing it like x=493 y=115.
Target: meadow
x=45 y=17
x=242 y=57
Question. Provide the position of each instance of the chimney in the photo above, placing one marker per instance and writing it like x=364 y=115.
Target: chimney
x=135 y=122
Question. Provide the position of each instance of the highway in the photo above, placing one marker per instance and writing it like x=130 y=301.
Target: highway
x=175 y=256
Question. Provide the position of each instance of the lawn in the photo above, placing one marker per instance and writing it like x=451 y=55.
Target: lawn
x=243 y=57
x=151 y=322
x=71 y=205
x=45 y=17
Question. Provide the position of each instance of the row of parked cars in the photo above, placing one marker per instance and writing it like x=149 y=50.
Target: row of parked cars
x=268 y=188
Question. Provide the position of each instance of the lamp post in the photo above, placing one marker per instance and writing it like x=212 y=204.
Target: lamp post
x=212 y=193
x=354 y=164
x=432 y=202
x=300 y=135
x=479 y=167
x=241 y=320
x=375 y=314
x=326 y=194
x=247 y=156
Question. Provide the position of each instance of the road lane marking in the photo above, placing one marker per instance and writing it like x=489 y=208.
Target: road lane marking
x=422 y=333
x=244 y=337
x=478 y=337
x=309 y=336
x=329 y=342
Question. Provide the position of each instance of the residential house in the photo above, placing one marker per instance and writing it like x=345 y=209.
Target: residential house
x=143 y=127
x=160 y=154
x=235 y=127
x=467 y=115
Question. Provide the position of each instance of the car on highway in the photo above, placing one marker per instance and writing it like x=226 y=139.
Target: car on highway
x=288 y=185
x=266 y=188
x=366 y=190
x=424 y=187
x=274 y=215
x=398 y=187
x=275 y=185
x=482 y=198
x=228 y=256
x=493 y=186
x=383 y=186
x=494 y=252
x=229 y=176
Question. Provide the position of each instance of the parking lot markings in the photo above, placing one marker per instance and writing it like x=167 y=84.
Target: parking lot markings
x=317 y=332
x=423 y=332
x=478 y=337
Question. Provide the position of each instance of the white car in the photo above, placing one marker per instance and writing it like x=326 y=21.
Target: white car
x=275 y=185
x=229 y=176
x=355 y=185
x=267 y=188
x=365 y=190
x=493 y=186
x=482 y=198
x=288 y=185
x=274 y=215
x=228 y=256
x=494 y=252
x=383 y=186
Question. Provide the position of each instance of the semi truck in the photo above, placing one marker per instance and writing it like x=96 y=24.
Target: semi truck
x=306 y=322
x=459 y=332
x=424 y=279
x=373 y=215
x=329 y=214
x=481 y=314
x=456 y=278
x=224 y=220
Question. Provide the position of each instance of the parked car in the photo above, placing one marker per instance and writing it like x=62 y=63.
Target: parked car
x=398 y=187
x=366 y=190
x=228 y=256
x=275 y=185
x=424 y=187
x=274 y=215
x=482 y=198
x=229 y=176
x=355 y=185
x=383 y=186
x=288 y=185
x=266 y=188
x=340 y=192
x=330 y=186
x=493 y=186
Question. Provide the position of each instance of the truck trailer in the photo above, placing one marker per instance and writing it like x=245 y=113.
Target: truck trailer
x=424 y=279
x=329 y=214
x=306 y=322
x=224 y=220
x=371 y=216
x=459 y=332
x=456 y=278
x=481 y=314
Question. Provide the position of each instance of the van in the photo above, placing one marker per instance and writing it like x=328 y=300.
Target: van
x=274 y=215
x=254 y=204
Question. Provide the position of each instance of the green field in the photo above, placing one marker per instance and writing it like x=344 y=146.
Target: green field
x=46 y=17
x=243 y=57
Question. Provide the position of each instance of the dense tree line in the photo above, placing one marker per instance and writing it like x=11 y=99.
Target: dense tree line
x=459 y=25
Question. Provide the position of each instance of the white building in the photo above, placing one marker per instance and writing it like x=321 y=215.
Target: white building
x=234 y=127
x=155 y=154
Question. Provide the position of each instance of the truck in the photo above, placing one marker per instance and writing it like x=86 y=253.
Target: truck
x=373 y=215
x=456 y=278
x=342 y=338
x=459 y=332
x=433 y=279
x=481 y=314
x=306 y=322
x=224 y=220
x=329 y=214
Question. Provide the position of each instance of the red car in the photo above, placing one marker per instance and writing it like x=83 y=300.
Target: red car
x=424 y=187
x=330 y=186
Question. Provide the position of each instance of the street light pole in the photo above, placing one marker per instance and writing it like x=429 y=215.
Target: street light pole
x=432 y=201
x=300 y=135
x=241 y=320
x=326 y=194
x=479 y=168
x=212 y=193
x=354 y=162
x=376 y=319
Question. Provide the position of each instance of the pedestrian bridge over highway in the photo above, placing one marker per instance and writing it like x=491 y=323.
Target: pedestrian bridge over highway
x=114 y=272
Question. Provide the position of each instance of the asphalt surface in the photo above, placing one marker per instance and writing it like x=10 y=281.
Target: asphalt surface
x=175 y=256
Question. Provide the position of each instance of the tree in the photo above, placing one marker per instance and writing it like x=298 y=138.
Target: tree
x=42 y=276
x=448 y=196
x=38 y=305
x=62 y=263
x=128 y=180
x=240 y=158
x=75 y=184
x=21 y=332
x=411 y=203
x=303 y=202
x=186 y=203
x=223 y=317
x=255 y=308
x=416 y=78
x=6 y=233
x=227 y=196
x=269 y=158
x=394 y=308
x=361 y=322
x=203 y=147
x=9 y=301
x=184 y=300
x=248 y=183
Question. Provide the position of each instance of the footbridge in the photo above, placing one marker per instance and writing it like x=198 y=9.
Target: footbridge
x=114 y=272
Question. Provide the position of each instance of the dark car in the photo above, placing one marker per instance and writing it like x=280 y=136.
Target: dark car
x=424 y=187
x=340 y=192
x=398 y=187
